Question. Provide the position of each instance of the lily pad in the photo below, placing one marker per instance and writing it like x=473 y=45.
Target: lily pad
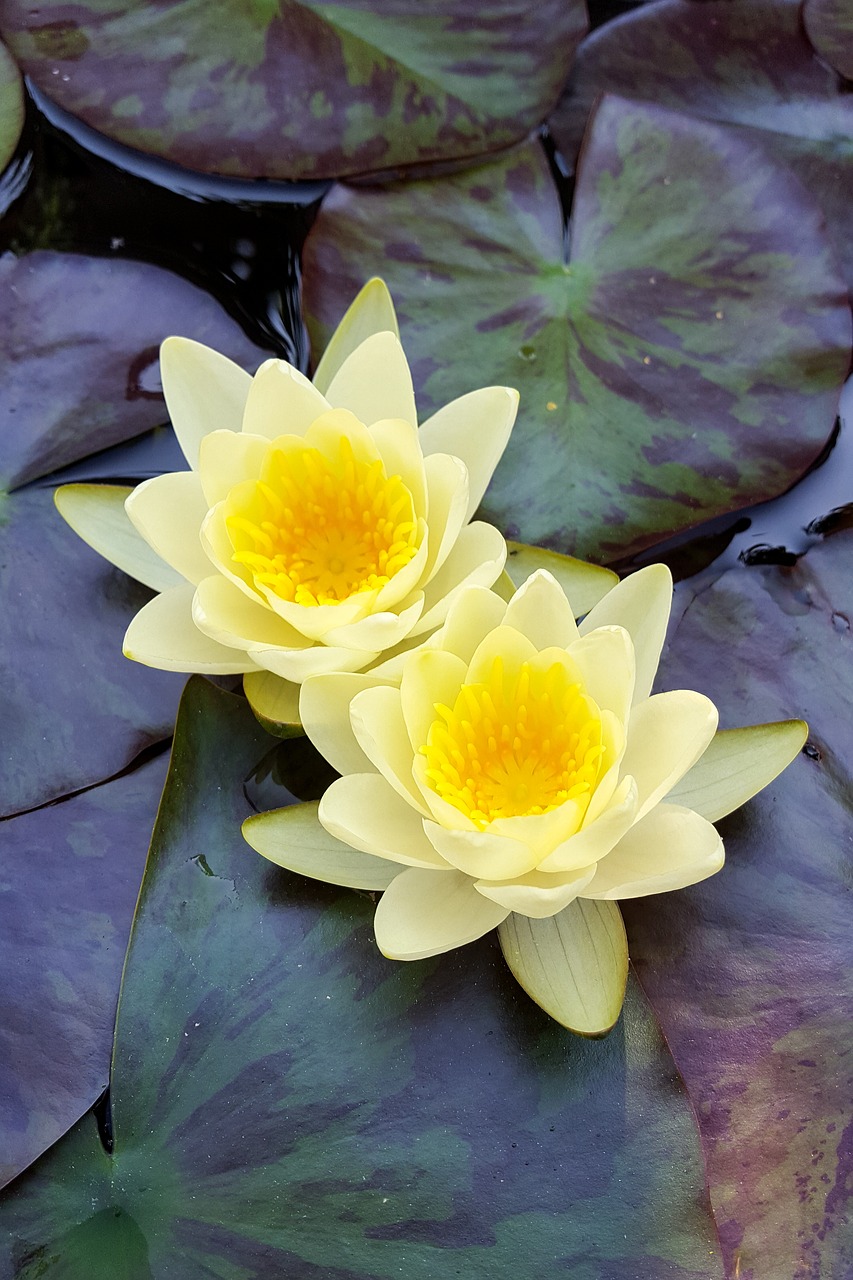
x=301 y=88
x=71 y=876
x=829 y=26
x=79 y=344
x=74 y=711
x=11 y=106
x=751 y=972
x=742 y=62
x=685 y=361
x=287 y=1102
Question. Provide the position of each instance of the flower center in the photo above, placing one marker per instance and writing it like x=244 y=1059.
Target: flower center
x=515 y=746
x=316 y=530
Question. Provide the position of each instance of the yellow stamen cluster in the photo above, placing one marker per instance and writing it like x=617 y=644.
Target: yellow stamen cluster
x=317 y=530
x=515 y=745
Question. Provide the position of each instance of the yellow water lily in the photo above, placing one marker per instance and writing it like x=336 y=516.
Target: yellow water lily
x=318 y=526
x=519 y=767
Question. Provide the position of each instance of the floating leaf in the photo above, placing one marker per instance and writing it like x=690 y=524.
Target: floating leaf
x=285 y=1101
x=79 y=344
x=751 y=972
x=829 y=26
x=74 y=711
x=685 y=362
x=301 y=88
x=11 y=106
x=71 y=876
x=742 y=62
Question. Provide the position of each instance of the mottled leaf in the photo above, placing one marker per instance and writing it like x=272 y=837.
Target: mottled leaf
x=751 y=972
x=300 y=88
x=70 y=879
x=829 y=26
x=286 y=1102
x=11 y=106
x=743 y=62
x=686 y=360
x=79 y=344
x=73 y=710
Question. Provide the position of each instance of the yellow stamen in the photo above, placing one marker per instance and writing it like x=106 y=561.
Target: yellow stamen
x=317 y=530
x=515 y=745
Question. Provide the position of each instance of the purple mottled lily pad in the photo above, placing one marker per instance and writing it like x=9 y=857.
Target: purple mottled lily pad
x=286 y=1102
x=71 y=875
x=300 y=88
x=73 y=710
x=79 y=345
x=829 y=26
x=685 y=361
x=742 y=62
x=11 y=106
x=751 y=972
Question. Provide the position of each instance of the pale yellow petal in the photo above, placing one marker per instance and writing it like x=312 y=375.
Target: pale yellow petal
x=324 y=709
x=378 y=631
x=537 y=895
x=164 y=635
x=592 y=842
x=293 y=838
x=225 y=614
x=605 y=659
x=326 y=432
x=481 y=853
x=508 y=646
x=281 y=401
x=97 y=514
x=371 y=312
x=399 y=447
x=737 y=764
x=220 y=551
x=473 y=613
x=169 y=511
x=447 y=505
x=227 y=458
x=366 y=812
x=374 y=382
x=573 y=964
x=542 y=832
x=666 y=736
x=315 y=659
x=584 y=584
x=613 y=739
x=316 y=621
x=476 y=560
x=275 y=703
x=399 y=592
x=540 y=610
x=430 y=677
x=380 y=730
x=670 y=848
x=444 y=813
x=424 y=913
x=475 y=428
x=641 y=604
x=204 y=392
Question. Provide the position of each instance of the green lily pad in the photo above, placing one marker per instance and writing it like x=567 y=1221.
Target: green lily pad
x=686 y=360
x=70 y=877
x=79 y=345
x=742 y=62
x=301 y=88
x=11 y=106
x=751 y=972
x=73 y=710
x=287 y=1102
x=829 y=26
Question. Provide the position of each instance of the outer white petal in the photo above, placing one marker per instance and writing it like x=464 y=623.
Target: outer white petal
x=225 y=614
x=447 y=504
x=400 y=450
x=476 y=560
x=737 y=764
x=281 y=401
x=476 y=428
x=315 y=659
x=169 y=511
x=97 y=514
x=324 y=709
x=538 y=895
x=424 y=913
x=473 y=613
x=641 y=604
x=204 y=391
x=372 y=311
x=374 y=382
x=380 y=730
x=540 y=610
x=670 y=848
x=293 y=838
x=164 y=635
x=666 y=736
x=366 y=812
x=605 y=659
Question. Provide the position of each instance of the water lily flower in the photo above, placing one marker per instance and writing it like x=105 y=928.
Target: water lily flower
x=318 y=526
x=522 y=765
